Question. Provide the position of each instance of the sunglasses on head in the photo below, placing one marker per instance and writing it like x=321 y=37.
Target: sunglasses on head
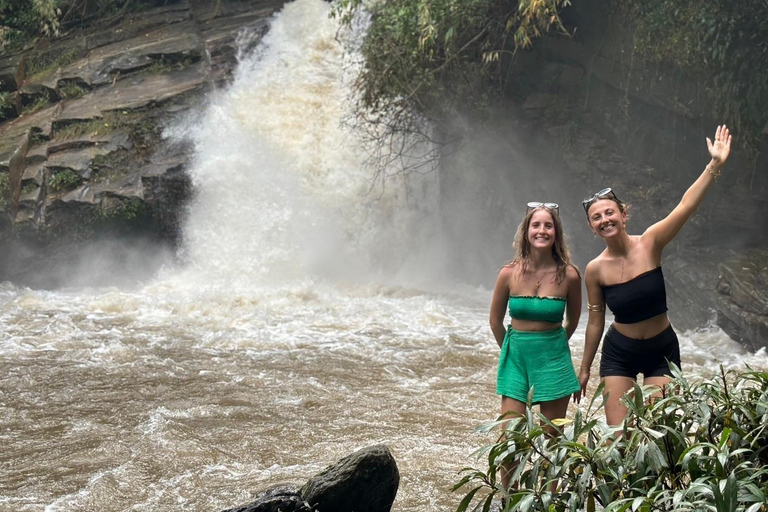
x=549 y=206
x=606 y=193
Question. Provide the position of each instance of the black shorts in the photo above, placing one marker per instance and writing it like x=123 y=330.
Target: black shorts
x=626 y=357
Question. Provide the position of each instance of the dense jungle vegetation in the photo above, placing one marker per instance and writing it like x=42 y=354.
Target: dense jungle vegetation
x=23 y=21
x=427 y=60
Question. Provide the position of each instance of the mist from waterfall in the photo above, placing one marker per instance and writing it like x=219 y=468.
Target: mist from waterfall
x=282 y=193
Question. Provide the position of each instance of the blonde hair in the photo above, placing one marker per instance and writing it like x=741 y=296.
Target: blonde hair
x=560 y=251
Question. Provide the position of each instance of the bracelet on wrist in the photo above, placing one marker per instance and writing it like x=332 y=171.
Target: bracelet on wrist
x=715 y=173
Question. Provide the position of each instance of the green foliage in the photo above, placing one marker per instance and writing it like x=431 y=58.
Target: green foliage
x=414 y=50
x=723 y=44
x=44 y=63
x=6 y=104
x=700 y=447
x=110 y=121
x=42 y=101
x=29 y=186
x=129 y=210
x=38 y=137
x=5 y=190
x=63 y=180
x=72 y=90
x=430 y=59
x=21 y=20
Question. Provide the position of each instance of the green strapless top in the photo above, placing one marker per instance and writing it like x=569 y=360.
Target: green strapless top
x=540 y=309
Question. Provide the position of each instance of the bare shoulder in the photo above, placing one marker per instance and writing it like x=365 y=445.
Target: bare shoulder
x=594 y=268
x=510 y=268
x=507 y=273
x=572 y=273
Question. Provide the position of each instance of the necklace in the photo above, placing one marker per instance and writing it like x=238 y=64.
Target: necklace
x=621 y=279
x=538 y=281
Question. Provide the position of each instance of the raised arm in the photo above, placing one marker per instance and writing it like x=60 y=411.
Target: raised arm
x=595 y=326
x=573 y=309
x=499 y=304
x=666 y=229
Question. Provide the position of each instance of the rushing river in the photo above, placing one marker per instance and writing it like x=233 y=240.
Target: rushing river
x=310 y=319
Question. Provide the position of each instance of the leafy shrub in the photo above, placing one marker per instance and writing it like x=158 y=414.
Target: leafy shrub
x=5 y=190
x=40 y=102
x=72 y=90
x=22 y=19
x=700 y=447
x=29 y=186
x=6 y=105
x=63 y=180
x=123 y=210
x=45 y=63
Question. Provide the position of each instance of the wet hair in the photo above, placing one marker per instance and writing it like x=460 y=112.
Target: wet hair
x=560 y=251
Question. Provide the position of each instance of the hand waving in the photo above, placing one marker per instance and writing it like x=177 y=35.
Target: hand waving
x=721 y=148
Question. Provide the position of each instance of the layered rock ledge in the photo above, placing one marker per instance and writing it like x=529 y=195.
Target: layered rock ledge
x=82 y=151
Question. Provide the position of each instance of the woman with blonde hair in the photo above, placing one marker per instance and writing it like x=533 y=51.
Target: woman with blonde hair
x=541 y=287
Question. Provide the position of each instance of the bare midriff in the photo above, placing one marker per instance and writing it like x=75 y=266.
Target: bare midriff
x=645 y=329
x=533 y=325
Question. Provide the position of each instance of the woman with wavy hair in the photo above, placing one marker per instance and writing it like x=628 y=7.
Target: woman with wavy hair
x=541 y=287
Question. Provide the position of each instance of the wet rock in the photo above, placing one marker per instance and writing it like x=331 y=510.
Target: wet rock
x=165 y=46
x=366 y=480
x=79 y=157
x=139 y=23
x=742 y=298
x=691 y=275
x=11 y=72
x=277 y=499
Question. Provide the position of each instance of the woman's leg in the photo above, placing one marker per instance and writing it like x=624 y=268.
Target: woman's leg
x=660 y=381
x=512 y=407
x=553 y=410
x=615 y=387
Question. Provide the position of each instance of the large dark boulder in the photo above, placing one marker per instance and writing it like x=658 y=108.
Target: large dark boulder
x=742 y=298
x=366 y=481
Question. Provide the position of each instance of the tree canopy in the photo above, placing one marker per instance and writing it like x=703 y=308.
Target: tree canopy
x=424 y=61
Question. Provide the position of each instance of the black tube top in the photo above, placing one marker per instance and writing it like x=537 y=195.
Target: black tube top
x=638 y=299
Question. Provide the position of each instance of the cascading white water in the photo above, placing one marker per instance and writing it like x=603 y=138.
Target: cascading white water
x=281 y=189
x=295 y=333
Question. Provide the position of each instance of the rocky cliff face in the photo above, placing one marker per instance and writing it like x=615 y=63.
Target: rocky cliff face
x=82 y=152
x=742 y=299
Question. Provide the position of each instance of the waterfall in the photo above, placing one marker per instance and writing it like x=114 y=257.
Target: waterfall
x=282 y=193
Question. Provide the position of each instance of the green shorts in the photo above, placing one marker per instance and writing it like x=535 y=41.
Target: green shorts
x=536 y=359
